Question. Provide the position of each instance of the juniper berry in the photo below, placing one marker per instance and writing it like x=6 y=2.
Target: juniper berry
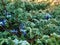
x=47 y=16
x=2 y=22
x=22 y=26
x=14 y=31
x=23 y=31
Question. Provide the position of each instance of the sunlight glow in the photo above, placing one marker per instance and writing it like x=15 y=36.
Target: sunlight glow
x=12 y=0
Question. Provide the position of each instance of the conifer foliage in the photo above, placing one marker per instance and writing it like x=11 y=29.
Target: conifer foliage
x=29 y=23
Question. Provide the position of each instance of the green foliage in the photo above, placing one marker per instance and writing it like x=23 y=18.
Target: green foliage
x=39 y=28
x=53 y=39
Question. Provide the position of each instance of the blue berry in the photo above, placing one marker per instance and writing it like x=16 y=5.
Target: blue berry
x=2 y=22
x=23 y=31
x=22 y=26
x=47 y=16
x=14 y=31
x=8 y=15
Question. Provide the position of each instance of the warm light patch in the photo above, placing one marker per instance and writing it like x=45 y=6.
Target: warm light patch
x=12 y=0
x=39 y=0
